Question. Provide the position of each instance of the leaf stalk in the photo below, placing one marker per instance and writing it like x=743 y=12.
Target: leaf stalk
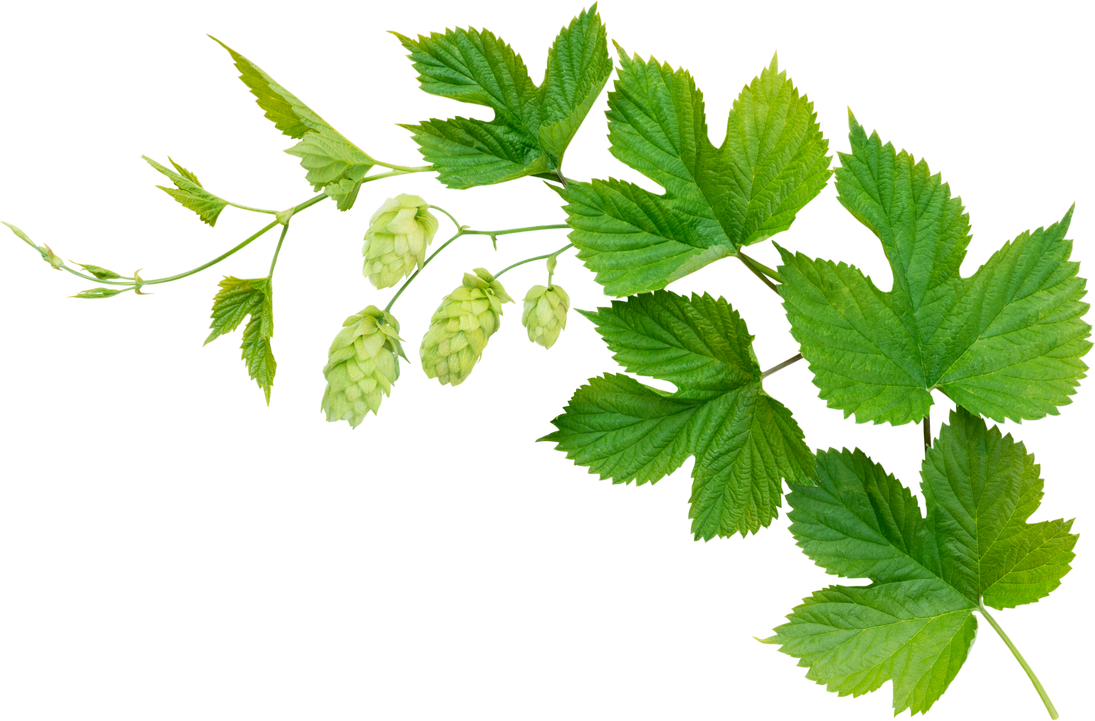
x=1022 y=661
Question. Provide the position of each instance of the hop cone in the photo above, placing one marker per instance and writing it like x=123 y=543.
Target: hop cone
x=361 y=366
x=545 y=313
x=399 y=233
x=461 y=326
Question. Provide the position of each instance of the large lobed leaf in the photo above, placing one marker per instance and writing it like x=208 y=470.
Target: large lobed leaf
x=334 y=165
x=235 y=300
x=1006 y=342
x=745 y=442
x=532 y=126
x=914 y=624
x=717 y=200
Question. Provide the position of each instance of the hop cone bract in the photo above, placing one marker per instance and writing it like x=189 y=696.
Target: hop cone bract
x=362 y=365
x=461 y=326
x=395 y=244
x=545 y=313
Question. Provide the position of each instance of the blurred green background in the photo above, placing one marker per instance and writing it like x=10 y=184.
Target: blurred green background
x=447 y=485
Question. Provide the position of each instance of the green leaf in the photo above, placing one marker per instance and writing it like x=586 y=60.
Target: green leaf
x=183 y=170
x=334 y=165
x=238 y=299
x=100 y=293
x=700 y=344
x=855 y=344
x=189 y=192
x=100 y=273
x=745 y=442
x=1004 y=343
x=914 y=624
x=467 y=153
x=717 y=200
x=578 y=67
x=532 y=125
x=1034 y=292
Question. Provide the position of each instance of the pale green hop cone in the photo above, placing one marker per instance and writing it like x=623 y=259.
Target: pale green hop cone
x=362 y=365
x=545 y=313
x=395 y=244
x=461 y=326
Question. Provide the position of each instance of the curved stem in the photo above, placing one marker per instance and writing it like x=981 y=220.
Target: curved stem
x=253 y=210
x=454 y=220
x=1022 y=661
x=532 y=260
x=407 y=168
x=277 y=251
x=760 y=270
x=388 y=308
x=781 y=366
x=506 y=269
x=510 y=231
x=771 y=273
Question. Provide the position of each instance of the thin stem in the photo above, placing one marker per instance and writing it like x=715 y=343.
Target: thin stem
x=927 y=432
x=388 y=308
x=505 y=269
x=277 y=250
x=770 y=272
x=532 y=260
x=781 y=366
x=458 y=225
x=407 y=168
x=248 y=206
x=1022 y=661
x=757 y=270
x=510 y=231
x=253 y=210
x=381 y=176
x=216 y=260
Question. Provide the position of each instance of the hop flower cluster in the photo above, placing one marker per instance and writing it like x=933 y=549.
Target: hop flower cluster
x=395 y=244
x=362 y=365
x=545 y=313
x=461 y=326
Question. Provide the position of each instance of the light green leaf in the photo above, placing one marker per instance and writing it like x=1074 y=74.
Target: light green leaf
x=334 y=164
x=698 y=343
x=1004 y=343
x=745 y=442
x=95 y=293
x=914 y=624
x=100 y=273
x=532 y=125
x=235 y=300
x=717 y=200
x=189 y=192
x=185 y=171
x=915 y=633
x=578 y=67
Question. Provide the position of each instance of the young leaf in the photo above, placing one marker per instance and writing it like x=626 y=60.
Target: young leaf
x=100 y=273
x=334 y=164
x=532 y=125
x=717 y=200
x=95 y=293
x=189 y=192
x=237 y=299
x=1004 y=343
x=914 y=624
x=745 y=442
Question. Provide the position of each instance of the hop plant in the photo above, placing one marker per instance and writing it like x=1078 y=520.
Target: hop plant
x=461 y=326
x=395 y=244
x=545 y=313
x=362 y=365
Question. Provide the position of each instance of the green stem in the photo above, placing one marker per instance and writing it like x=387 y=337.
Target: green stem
x=927 y=432
x=388 y=308
x=781 y=366
x=506 y=269
x=1022 y=661
x=253 y=210
x=406 y=168
x=454 y=220
x=510 y=231
x=773 y=274
x=277 y=251
x=532 y=260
